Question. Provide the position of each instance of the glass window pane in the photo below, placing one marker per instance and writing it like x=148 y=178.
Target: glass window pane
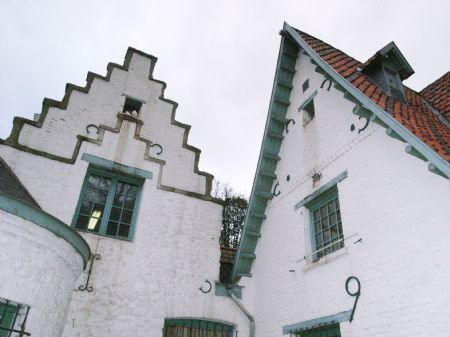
x=129 y=203
x=132 y=191
x=86 y=207
x=101 y=197
x=115 y=214
x=325 y=223
x=90 y=194
x=118 y=200
x=124 y=230
x=104 y=184
x=339 y=216
x=120 y=188
x=334 y=232
x=323 y=211
x=317 y=226
x=112 y=228
x=126 y=216
x=93 y=181
x=333 y=219
x=326 y=237
x=82 y=222
x=319 y=240
x=331 y=206
x=316 y=215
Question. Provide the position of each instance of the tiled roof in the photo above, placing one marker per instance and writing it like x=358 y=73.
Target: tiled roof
x=415 y=114
x=438 y=94
x=11 y=185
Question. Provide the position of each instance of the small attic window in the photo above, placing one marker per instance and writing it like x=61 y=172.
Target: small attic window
x=395 y=86
x=308 y=112
x=132 y=105
x=307 y=108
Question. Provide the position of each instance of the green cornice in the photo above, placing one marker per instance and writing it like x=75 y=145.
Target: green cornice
x=317 y=322
x=47 y=221
x=268 y=159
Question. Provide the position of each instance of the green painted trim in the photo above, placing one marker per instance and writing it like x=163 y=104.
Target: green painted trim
x=47 y=221
x=199 y=323
x=307 y=101
x=268 y=157
x=321 y=191
x=317 y=322
x=115 y=177
x=429 y=154
x=110 y=165
x=221 y=289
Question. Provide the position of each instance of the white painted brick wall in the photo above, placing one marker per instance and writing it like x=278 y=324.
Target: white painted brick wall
x=175 y=247
x=400 y=210
x=38 y=269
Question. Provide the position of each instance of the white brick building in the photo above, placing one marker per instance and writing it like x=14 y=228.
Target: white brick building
x=107 y=226
x=111 y=186
x=352 y=180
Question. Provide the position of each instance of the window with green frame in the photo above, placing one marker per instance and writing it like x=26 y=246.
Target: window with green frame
x=7 y=314
x=326 y=224
x=186 y=327
x=326 y=331
x=108 y=204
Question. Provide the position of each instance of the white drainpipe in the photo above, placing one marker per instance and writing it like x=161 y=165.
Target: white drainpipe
x=245 y=311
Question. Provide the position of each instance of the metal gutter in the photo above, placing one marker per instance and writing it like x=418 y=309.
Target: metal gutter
x=245 y=311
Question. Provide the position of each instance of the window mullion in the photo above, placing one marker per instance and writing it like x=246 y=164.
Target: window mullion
x=108 y=206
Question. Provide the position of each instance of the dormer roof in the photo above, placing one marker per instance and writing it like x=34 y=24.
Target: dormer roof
x=392 y=55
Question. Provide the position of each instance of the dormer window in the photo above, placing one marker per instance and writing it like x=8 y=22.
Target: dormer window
x=387 y=69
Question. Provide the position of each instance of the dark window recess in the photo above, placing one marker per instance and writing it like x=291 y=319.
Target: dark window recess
x=131 y=105
x=308 y=112
x=326 y=331
x=226 y=263
x=185 y=327
x=13 y=318
x=305 y=85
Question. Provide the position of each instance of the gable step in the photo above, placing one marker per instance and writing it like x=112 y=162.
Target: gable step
x=271 y=156
x=252 y=233
x=265 y=195
x=268 y=174
x=275 y=135
x=285 y=84
x=279 y=118
x=248 y=255
x=282 y=102
x=258 y=215
x=291 y=70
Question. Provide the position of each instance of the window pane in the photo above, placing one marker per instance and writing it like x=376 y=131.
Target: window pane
x=101 y=197
x=325 y=223
x=132 y=191
x=316 y=215
x=115 y=214
x=90 y=194
x=120 y=188
x=104 y=184
x=326 y=237
x=129 y=203
x=323 y=211
x=333 y=219
x=331 y=206
x=124 y=230
x=93 y=181
x=82 y=222
x=317 y=227
x=86 y=207
x=118 y=200
x=126 y=216
x=112 y=228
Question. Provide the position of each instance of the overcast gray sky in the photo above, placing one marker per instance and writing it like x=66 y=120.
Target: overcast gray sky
x=217 y=57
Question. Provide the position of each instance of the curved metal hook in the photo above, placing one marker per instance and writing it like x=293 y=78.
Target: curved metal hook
x=87 y=287
x=353 y=127
x=160 y=148
x=325 y=81
x=206 y=291
x=286 y=126
x=356 y=294
x=92 y=126
x=274 y=192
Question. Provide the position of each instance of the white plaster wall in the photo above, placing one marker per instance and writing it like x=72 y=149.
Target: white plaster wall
x=175 y=246
x=390 y=200
x=38 y=269
x=58 y=135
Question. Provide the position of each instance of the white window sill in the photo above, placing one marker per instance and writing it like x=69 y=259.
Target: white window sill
x=312 y=264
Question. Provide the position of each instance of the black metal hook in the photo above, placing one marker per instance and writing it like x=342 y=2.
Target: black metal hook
x=325 y=81
x=352 y=127
x=274 y=192
x=92 y=126
x=160 y=148
x=289 y=121
x=356 y=294
x=87 y=287
x=206 y=291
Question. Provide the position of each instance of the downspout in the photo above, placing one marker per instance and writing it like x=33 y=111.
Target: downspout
x=245 y=311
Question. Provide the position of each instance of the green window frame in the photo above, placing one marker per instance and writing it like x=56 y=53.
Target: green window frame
x=186 y=327
x=7 y=314
x=108 y=204
x=326 y=331
x=327 y=235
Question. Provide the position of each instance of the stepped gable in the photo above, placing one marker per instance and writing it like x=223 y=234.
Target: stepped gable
x=438 y=94
x=416 y=114
x=11 y=186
